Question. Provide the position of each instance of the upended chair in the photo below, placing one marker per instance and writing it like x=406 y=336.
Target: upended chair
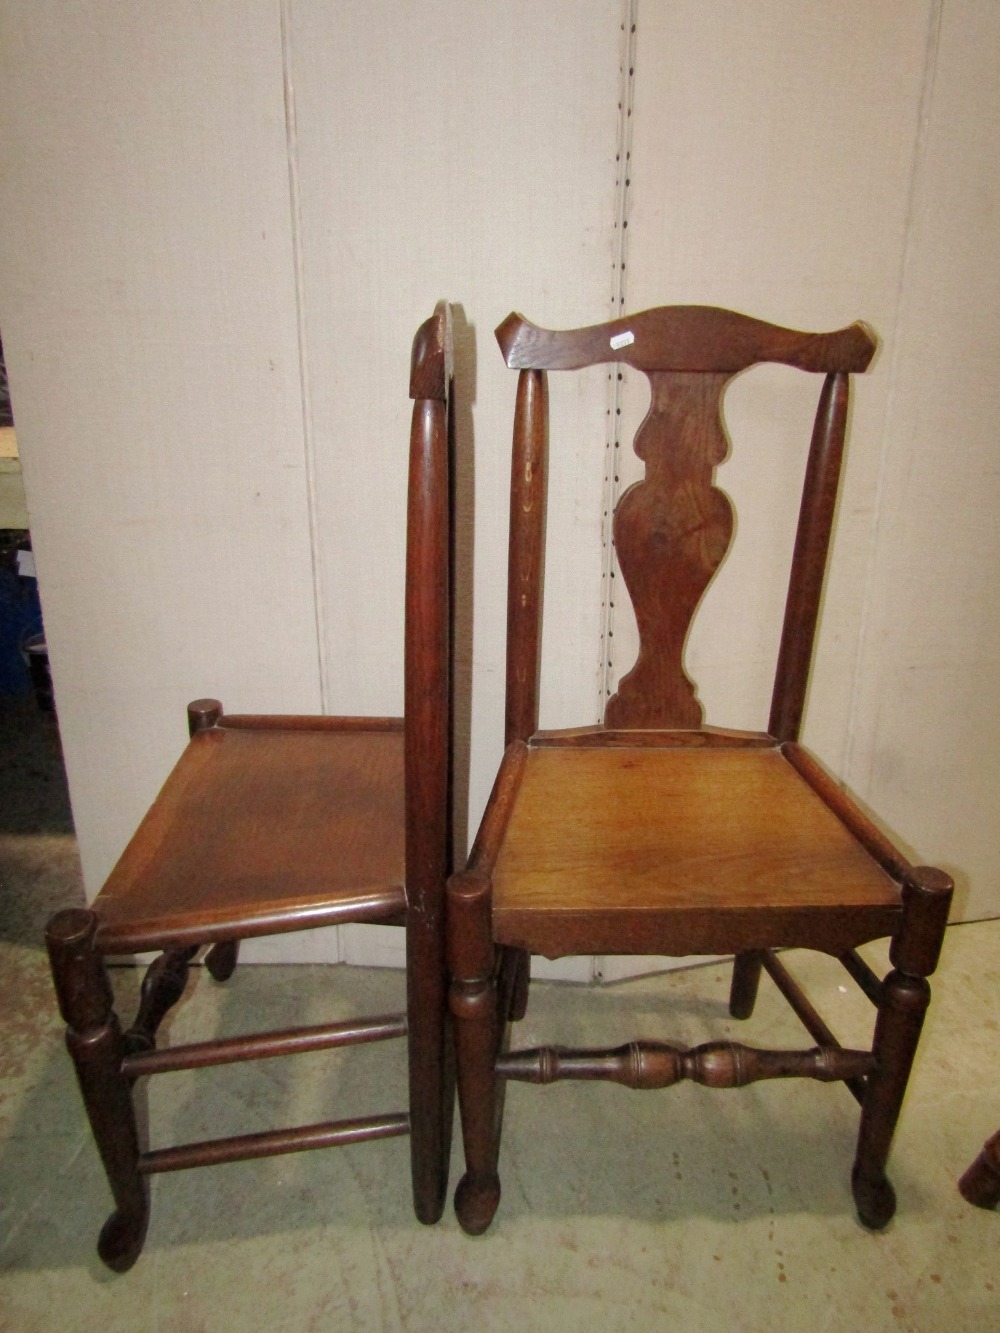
x=286 y=823
x=653 y=834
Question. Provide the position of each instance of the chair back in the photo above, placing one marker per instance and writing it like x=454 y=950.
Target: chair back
x=427 y=754
x=673 y=528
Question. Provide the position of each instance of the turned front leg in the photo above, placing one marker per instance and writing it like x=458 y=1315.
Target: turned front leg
x=95 y=1042
x=905 y=996
x=473 y=1003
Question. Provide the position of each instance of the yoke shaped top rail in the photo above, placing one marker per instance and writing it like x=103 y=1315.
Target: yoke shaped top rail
x=673 y=528
x=684 y=337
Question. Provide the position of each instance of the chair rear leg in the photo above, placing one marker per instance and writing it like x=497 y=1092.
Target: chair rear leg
x=746 y=979
x=522 y=980
x=906 y=994
x=221 y=959
x=473 y=1000
x=432 y=1073
x=95 y=1042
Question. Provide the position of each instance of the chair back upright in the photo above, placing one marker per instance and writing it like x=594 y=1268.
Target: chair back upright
x=427 y=651
x=428 y=749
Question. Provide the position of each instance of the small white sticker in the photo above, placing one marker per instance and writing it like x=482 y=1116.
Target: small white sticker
x=622 y=340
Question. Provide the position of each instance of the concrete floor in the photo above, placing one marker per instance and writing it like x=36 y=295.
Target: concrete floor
x=686 y=1208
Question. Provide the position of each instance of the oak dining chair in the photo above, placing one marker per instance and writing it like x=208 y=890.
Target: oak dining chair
x=272 y=824
x=653 y=833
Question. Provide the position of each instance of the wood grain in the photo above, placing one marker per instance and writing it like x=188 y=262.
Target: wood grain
x=526 y=559
x=259 y=831
x=649 y=851
x=812 y=543
x=671 y=533
x=684 y=338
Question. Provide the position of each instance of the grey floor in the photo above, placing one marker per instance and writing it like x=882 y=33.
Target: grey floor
x=684 y=1209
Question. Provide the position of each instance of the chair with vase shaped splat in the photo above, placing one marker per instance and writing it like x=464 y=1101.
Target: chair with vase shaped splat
x=654 y=834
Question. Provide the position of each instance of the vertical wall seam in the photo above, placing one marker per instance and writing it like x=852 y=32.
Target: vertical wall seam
x=862 y=783
x=609 y=491
x=609 y=495
x=305 y=392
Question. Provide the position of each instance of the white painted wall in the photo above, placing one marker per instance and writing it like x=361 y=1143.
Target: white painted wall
x=925 y=726
x=220 y=224
x=768 y=177
x=148 y=289
x=464 y=151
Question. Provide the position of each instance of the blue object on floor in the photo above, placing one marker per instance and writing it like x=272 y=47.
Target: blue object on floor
x=20 y=617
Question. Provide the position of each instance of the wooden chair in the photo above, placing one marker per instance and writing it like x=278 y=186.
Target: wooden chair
x=654 y=834
x=275 y=824
x=981 y=1182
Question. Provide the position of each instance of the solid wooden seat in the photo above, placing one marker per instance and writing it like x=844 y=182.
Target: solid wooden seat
x=244 y=837
x=653 y=834
x=271 y=824
x=679 y=851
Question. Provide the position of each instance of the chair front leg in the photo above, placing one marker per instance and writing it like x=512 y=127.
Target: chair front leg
x=162 y=986
x=95 y=1042
x=473 y=1003
x=906 y=994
